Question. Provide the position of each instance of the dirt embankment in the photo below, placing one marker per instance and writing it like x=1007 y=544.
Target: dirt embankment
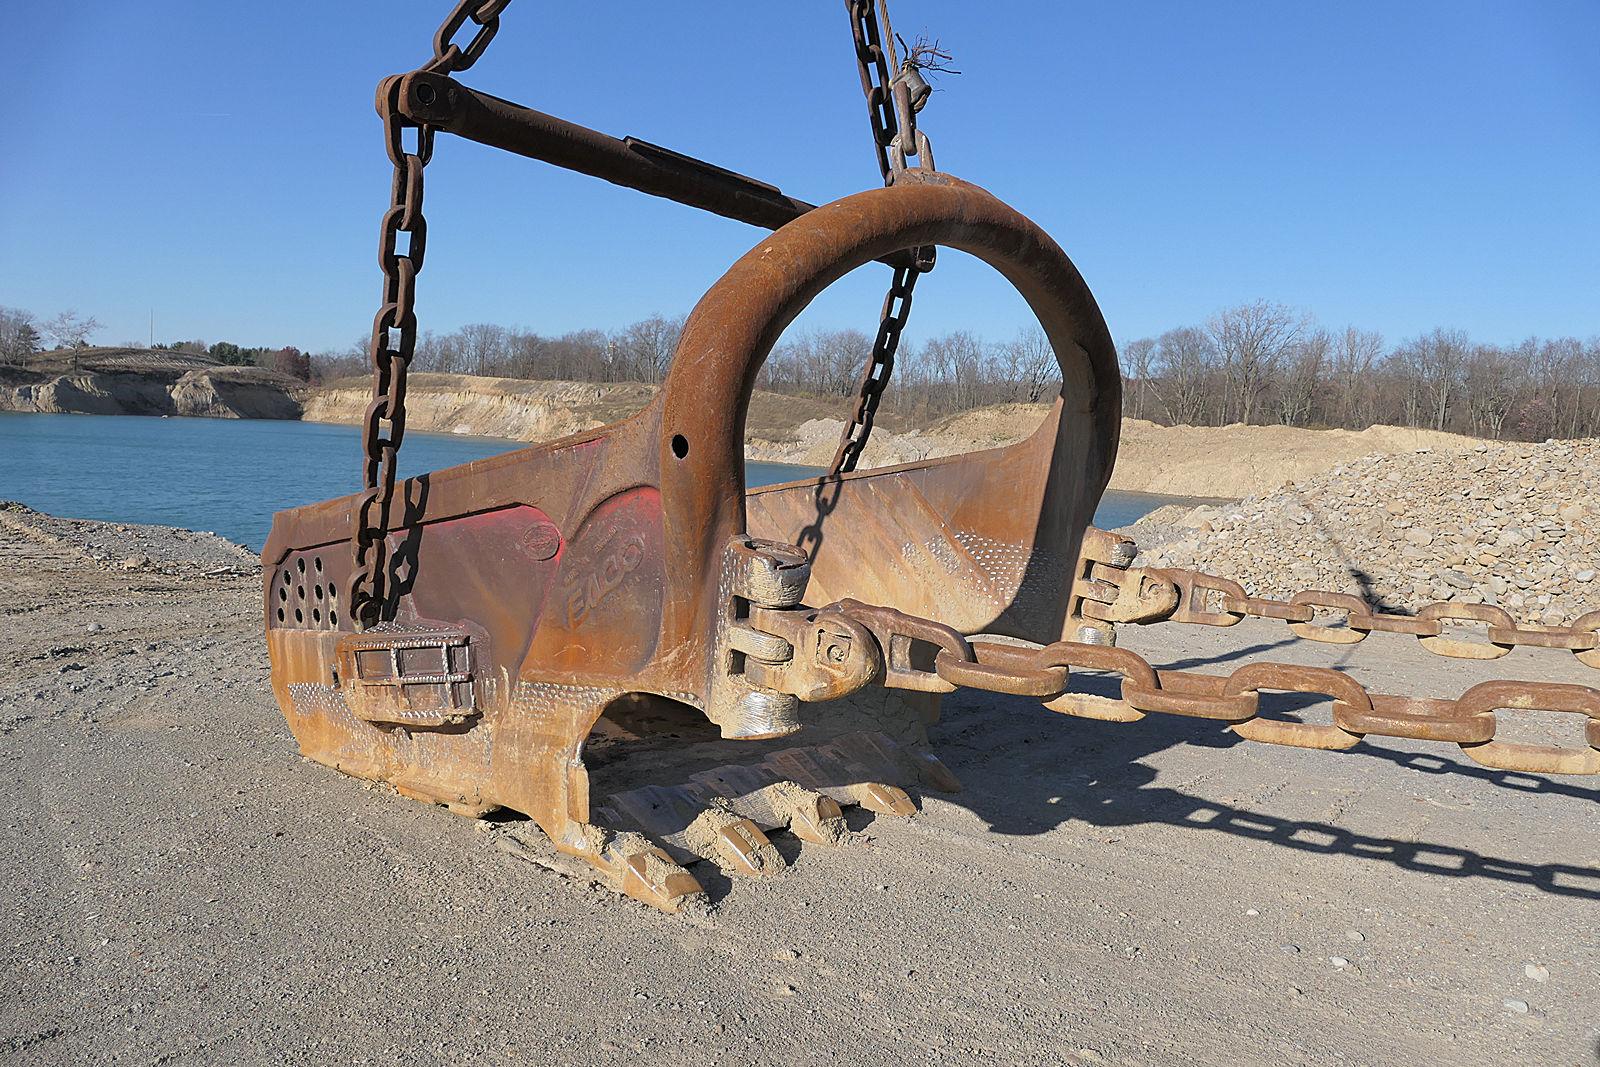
x=115 y=381
x=488 y=407
x=1240 y=461
x=1225 y=461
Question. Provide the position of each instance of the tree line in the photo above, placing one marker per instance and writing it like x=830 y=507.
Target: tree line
x=951 y=372
x=1259 y=362
x=23 y=335
x=1266 y=363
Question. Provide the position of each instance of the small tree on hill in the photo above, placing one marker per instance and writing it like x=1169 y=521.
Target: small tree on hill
x=71 y=330
x=293 y=362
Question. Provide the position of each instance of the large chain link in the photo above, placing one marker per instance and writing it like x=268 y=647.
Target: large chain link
x=1044 y=673
x=1207 y=600
x=394 y=330
x=873 y=64
x=893 y=121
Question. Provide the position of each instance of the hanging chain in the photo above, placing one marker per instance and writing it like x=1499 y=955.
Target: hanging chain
x=893 y=119
x=873 y=64
x=875 y=375
x=394 y=330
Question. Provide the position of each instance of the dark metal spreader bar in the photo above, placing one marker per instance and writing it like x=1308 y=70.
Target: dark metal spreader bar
x=448 y=105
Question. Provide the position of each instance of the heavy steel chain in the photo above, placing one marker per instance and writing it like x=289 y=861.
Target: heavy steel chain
x=1207 y=600
x=893 y=118
x=873 y=63
x=1044 y=672
x=394 y=330
x=875 y=375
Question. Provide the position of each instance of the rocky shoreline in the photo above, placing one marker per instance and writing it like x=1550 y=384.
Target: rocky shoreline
x=135 y=382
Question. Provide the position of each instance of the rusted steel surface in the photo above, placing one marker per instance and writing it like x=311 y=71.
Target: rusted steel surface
x=537 y=589
x=1468 y=721
x=473 y=634
x=1192 y=588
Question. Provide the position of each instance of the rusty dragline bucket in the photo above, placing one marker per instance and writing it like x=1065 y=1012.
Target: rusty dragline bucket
x=606 y=589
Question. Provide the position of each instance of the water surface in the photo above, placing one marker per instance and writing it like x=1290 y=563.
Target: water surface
x=230 y=475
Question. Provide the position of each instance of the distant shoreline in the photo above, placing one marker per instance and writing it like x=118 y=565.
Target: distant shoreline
x=1213 y=462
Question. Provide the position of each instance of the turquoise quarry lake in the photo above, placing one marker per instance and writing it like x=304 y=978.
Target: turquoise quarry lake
x=230 y=475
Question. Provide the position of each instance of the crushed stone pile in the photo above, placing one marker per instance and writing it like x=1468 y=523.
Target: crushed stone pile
x=1515 y=525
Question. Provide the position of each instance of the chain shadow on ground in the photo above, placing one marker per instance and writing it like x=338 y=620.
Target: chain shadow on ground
x=1096 y=777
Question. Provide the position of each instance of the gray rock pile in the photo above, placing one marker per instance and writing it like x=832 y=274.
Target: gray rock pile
x=1516 y=525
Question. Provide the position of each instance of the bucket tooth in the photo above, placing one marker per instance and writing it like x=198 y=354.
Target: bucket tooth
x=647 y=874
x=775 y=803
x=934 y=773
x=914 y=759
x=810 y=816
x=883 y=799
x=733 y=843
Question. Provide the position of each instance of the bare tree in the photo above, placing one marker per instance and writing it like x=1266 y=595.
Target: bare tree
x=1438 y=360
x=71 y=330
x=1354 y=356
x=645 y=348
x=579 y=355
x=1252 y=340
x=346 y=362
x=484 y=347
x=1493 y=381
x=960 y=360
x=1257 y=361
x=1138 y=366
x=1300 y=381
x=1186 y=363
x=1564 y=373
x=1029 y=362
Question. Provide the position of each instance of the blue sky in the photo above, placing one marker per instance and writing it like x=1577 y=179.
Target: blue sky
x=1396 y=165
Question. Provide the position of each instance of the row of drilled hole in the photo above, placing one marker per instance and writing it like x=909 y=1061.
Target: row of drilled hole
x=322 y=591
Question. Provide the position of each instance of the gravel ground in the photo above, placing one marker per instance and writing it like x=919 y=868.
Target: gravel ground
x=179 y=887
x=1511 y=525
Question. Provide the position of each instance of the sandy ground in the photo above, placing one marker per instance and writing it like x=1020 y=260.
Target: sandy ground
x=179 y=887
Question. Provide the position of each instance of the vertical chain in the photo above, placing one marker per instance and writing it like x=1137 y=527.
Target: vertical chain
x=875 y=375
x=394 y=329
x=887 y=132
x=873 y=65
